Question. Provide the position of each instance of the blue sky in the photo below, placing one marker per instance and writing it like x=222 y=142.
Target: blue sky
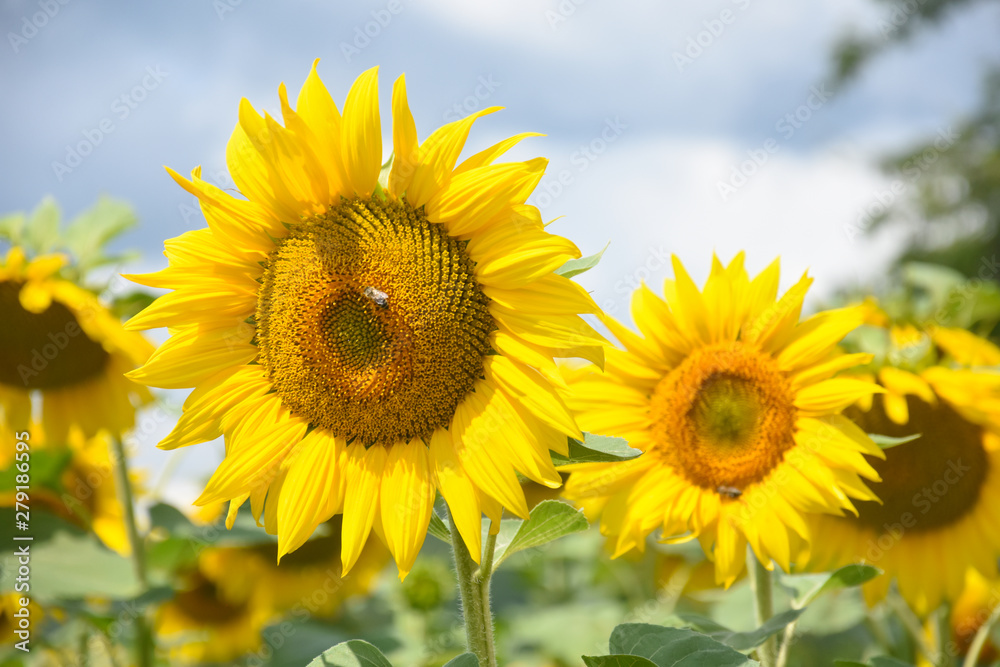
x=662 y=133
x=566 y=69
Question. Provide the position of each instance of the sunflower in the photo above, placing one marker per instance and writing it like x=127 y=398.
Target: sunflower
x=363 y=336
x=14 y=616
x=940 y=491
x=307 y=580
x=59 y=340
x=84 y=492
x=970 y=611
x=201 y=625
x=734 y=404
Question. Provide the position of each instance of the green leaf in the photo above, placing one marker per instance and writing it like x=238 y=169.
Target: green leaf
x=88 y=233
x=46 y=468
x=848 y=576
x=878 y=661
x=617 y=661
x=575 y=267
x=888 y=442
x=171 y=519
x=43 y=226
x=438 y=529
x=670 y=646
x=353 y=653
x=72 y=565
x=128 y=306
x=178 y=526
x=596 y=449
x=11 y=227
x=464 y=660
x=742 y=641
x=550 y=520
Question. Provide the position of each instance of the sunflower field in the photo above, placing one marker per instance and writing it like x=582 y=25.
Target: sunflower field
x=706 y=375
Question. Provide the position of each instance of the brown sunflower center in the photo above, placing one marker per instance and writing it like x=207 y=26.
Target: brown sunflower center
x=724 y=417
x=370 y=322
x=930 y=482
x=317 y=552
x=44 y=350
x=203 y=604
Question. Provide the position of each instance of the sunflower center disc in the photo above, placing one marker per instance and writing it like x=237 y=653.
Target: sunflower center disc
x=203 y=603
x=936 y=479
x=44 y=350
x=370 y=322
x=724 y=417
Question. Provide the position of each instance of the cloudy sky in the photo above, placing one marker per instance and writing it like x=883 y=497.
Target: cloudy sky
x=649 y=109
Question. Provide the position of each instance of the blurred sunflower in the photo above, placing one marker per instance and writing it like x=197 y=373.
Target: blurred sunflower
x=307 y=580
x=235 y=592
x=940 y=492
x=76 y=482
x=734 y=403
x=971 y=610
x=12 y=614
x=364 y=335
x=58 y=339
x=202 y=625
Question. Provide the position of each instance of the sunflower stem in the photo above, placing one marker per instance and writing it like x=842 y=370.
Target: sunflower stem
x=474 y=587
x=144 y=638
x=763 y=593
x=982 y=636
x=942 y=618
x=911 y=624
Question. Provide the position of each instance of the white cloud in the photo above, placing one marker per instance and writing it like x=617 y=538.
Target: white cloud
x=661 y=197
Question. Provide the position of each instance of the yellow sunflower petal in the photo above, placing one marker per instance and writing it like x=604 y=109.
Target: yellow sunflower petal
x=361 y=134
x=407 y=498
x=404 y=140
x=458 y=491
x=361 y=500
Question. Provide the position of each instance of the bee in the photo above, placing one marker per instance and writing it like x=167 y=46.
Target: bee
x=730 y=492
x=378 y=297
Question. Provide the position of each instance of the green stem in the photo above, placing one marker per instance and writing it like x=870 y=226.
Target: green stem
x=943 y=632
x=911 y=624
x=474 y=586
x=144 y=638
x=786 y=644
x=763 y=592
x=979 y=641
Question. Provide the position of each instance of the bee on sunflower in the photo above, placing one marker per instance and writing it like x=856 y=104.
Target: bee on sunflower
x=735 y=404
x=365 y=335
